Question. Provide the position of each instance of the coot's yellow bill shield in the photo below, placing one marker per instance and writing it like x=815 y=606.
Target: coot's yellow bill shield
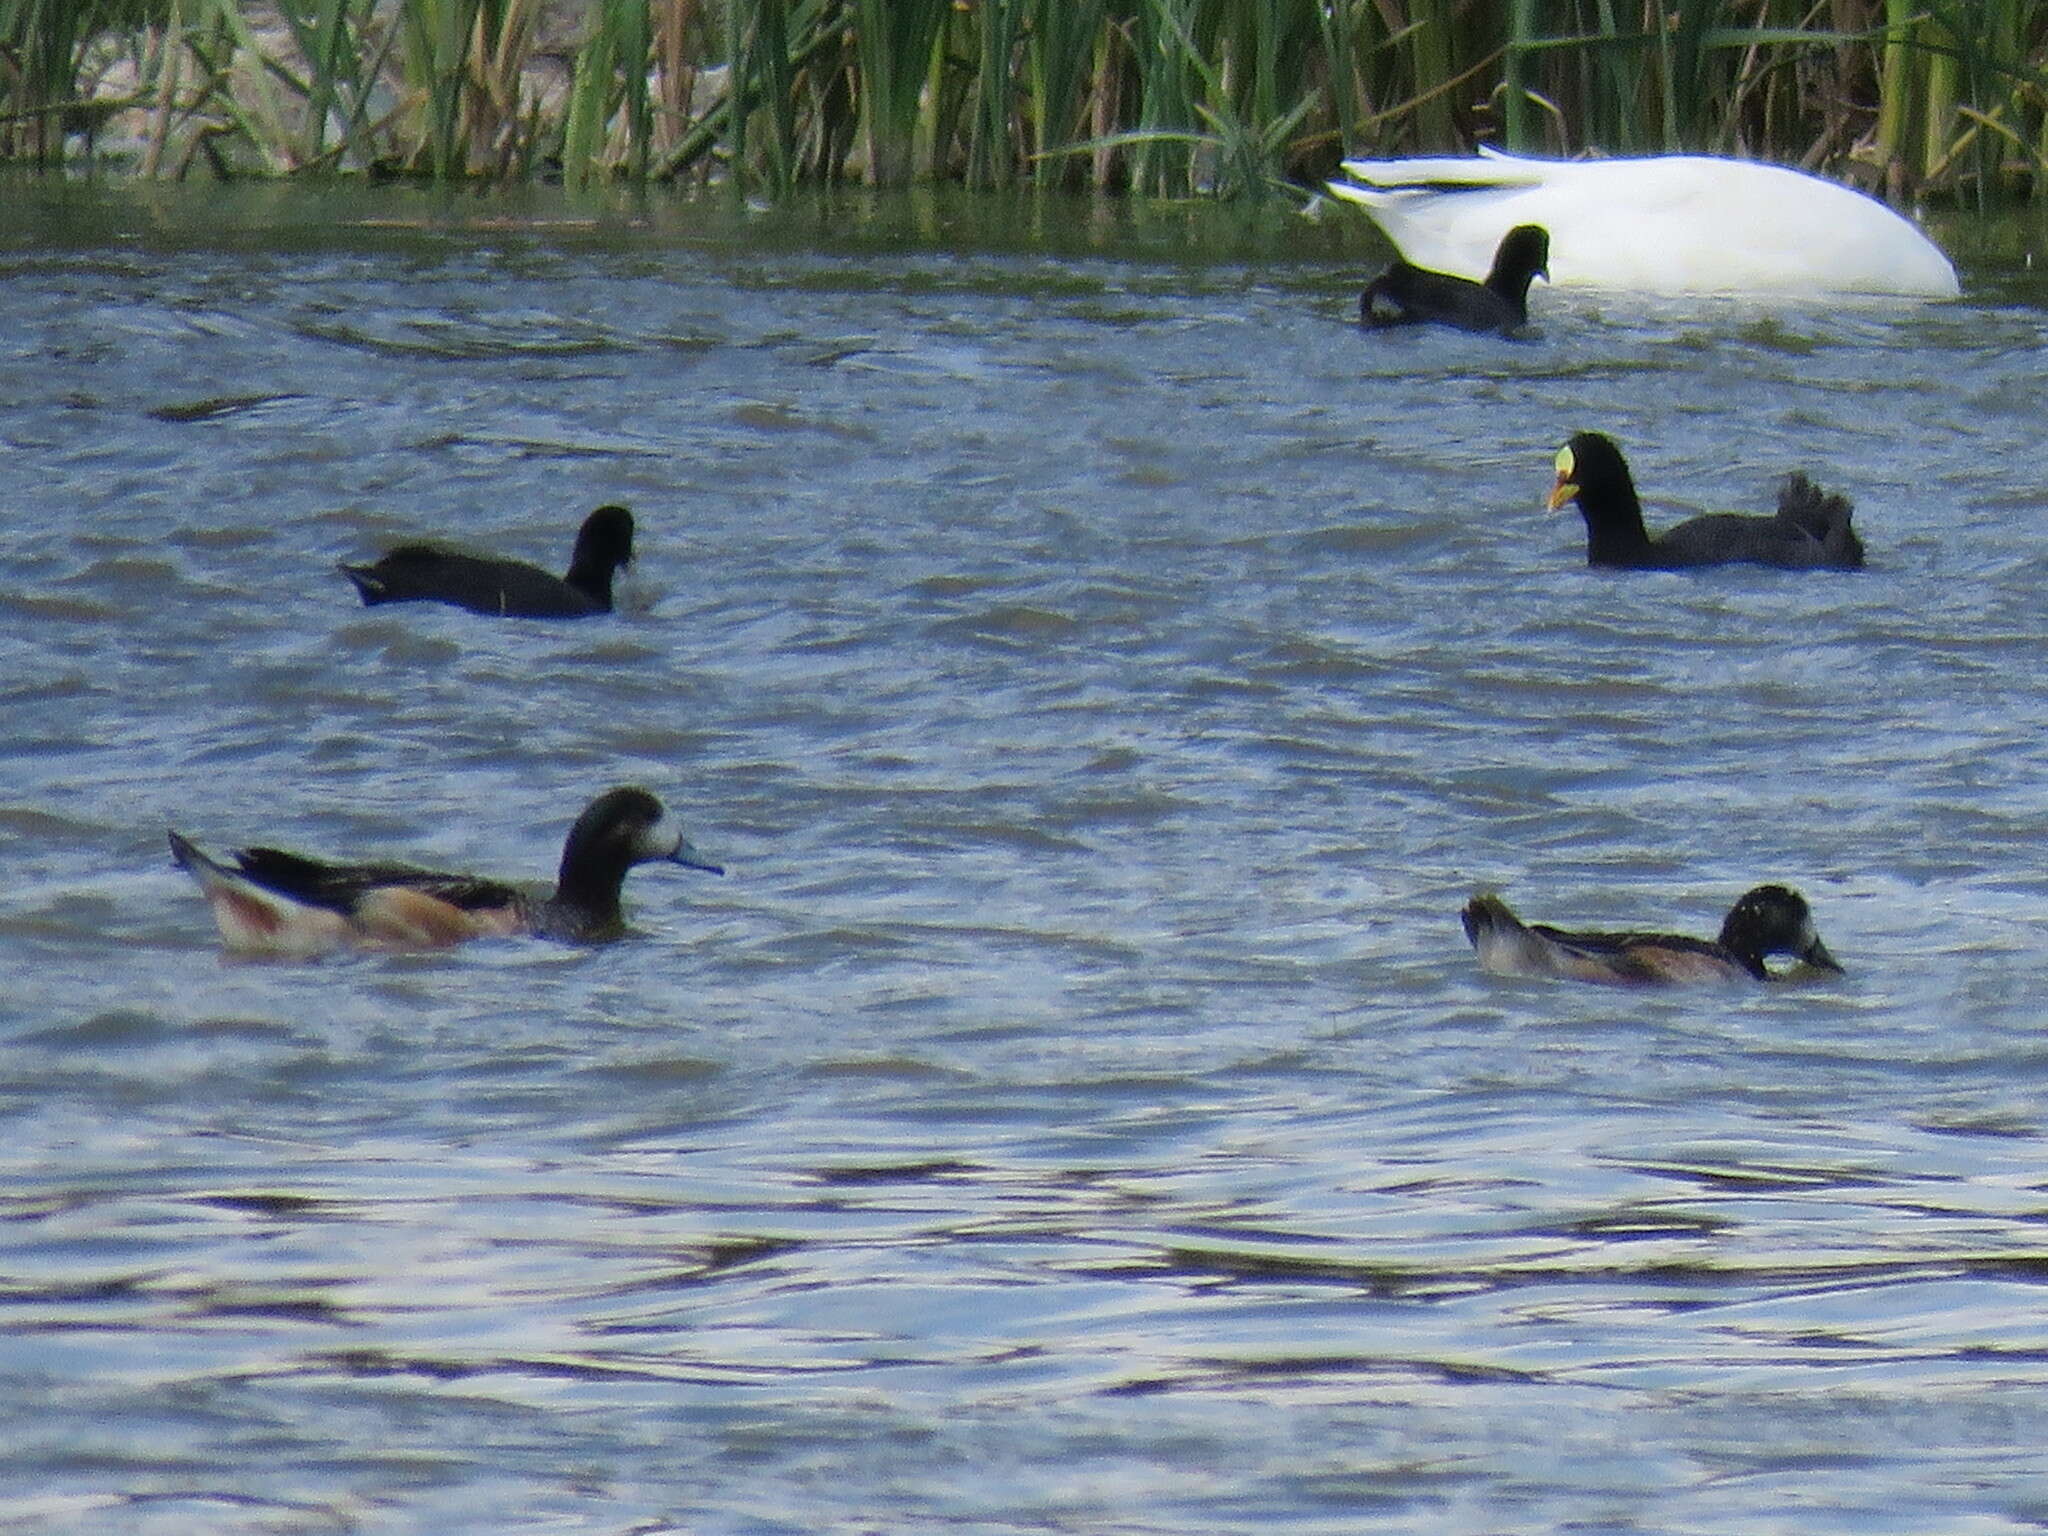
x=1566 y=487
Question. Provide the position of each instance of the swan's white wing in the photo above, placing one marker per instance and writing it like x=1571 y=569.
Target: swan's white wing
x=1448 y=214
x=1664 y=224
x=1490 y=169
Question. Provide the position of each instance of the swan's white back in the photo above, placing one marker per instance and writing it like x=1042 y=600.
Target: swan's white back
x=1666 y=224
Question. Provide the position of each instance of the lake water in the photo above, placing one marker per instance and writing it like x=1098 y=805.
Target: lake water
x=1105 y=674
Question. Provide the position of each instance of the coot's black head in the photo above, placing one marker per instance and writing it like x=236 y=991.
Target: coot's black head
x=1591 y=470
x=605 y=542
x=1774 y=920
x=1523 y=254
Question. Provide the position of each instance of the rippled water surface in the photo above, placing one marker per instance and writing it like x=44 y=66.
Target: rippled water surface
x=1105 y=674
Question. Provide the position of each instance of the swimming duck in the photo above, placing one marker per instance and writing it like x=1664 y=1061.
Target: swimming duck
x=1406 y=295
x=1769 y=920
x=269 y=902
x=1667 y=224
x=1810 y=528
x=430 y=573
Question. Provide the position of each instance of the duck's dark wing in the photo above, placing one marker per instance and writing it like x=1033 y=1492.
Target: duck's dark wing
x=1645 y=957
x=414 y=573
x=1408 y=295
x=342 y=887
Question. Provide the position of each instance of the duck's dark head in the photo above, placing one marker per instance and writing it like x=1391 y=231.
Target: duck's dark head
x=620 y=828
x=1774 y=920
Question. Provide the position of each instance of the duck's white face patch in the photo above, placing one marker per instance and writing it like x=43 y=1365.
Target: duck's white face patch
x=659 y=839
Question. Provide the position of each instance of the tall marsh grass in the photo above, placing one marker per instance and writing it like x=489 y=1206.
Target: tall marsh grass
x=1172 y=97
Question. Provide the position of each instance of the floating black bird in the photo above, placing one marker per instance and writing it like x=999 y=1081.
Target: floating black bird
x=1810 y=529
x=1409 y=295
x=1769 y=920
x=270 y=902
x=431 y=573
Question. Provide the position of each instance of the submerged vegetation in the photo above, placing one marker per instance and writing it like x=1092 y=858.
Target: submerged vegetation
x=1172 y=97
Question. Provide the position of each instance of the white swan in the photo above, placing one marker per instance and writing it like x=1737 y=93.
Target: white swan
x=1666 y=224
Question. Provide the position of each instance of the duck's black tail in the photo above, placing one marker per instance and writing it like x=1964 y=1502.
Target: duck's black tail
x=1485 y=916
x=369 y=585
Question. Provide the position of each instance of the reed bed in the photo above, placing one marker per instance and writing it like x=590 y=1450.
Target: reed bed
x=1947 y=98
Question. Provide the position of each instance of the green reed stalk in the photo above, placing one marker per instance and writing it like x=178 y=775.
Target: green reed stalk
x=1431 y=44
x=1605 y=100
x=42 y=49
x=1259 y=102
x=1515 y=114
x=346 y=55
x=768 y=60
x=41 y=43
x=324 y=39
x=1168 y=96
x=1895 y=90
x=1937 y=112
x=2004 y=84
x=739 y=72
x=1341 y=58
x=1181 y=82
x=436 y=57
x=942 y=103
x=1976 y=44
x=758 y=60
x=242 y=83
x=493 y=117
x=894 y=40
x=1678 y=51
x=1758 y=90
x=811 y=55
x=991 y=150
x=1166 y=136
x=170 y=57
x=611 y=73
x=1059 y=45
